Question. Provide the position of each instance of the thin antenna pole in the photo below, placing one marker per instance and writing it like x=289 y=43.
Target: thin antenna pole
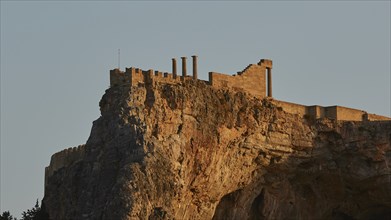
x=119 y=59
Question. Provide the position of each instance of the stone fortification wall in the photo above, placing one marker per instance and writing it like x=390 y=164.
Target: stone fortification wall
x=251 y=80
x=64 y=158
x=346 y=114
x=332 y=112
x=374 y=117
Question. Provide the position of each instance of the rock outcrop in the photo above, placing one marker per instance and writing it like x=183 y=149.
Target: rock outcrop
x=190 y=151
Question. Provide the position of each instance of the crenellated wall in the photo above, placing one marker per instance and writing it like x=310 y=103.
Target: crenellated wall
x=134 y=76
x=64 y=158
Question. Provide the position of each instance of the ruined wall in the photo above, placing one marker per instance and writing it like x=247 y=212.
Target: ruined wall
x=64 y=158
x=251 y=80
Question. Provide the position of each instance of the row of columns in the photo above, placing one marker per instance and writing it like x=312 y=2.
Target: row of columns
x=184 y=69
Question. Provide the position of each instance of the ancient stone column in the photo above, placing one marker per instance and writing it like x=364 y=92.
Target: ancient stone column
x=174 y=68
x=195 y=75
x=269 y=82
x=184 y=73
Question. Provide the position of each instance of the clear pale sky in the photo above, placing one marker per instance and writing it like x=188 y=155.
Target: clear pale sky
x=56 y=57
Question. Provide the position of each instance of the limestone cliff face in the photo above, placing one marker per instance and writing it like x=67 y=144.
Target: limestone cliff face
x=188 y=151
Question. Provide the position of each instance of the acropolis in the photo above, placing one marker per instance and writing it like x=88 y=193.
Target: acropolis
x=255 y=79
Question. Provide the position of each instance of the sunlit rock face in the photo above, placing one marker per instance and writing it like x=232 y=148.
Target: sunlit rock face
x=190 y=151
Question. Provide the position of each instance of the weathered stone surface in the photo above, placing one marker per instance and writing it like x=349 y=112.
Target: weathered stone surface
x=190 y=151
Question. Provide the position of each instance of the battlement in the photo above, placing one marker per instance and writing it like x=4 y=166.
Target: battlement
x=134 y=76
x=64 y=158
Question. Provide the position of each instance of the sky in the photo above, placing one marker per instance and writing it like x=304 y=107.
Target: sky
x=56 y=57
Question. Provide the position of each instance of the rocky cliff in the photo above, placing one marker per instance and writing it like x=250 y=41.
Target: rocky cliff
x=189 y=151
